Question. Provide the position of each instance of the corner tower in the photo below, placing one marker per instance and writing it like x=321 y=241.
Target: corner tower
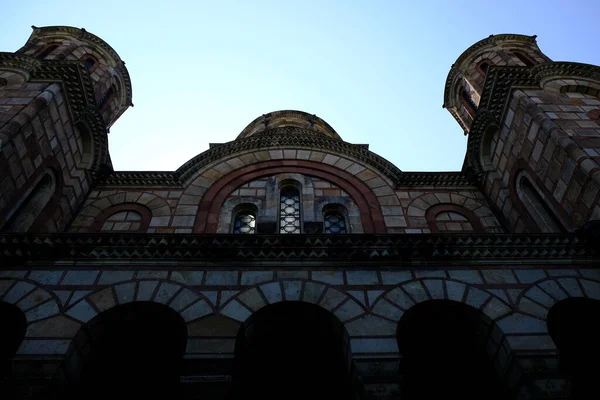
x=110 y=79
x=465 y=81
x=59 y=94
x=533 y=132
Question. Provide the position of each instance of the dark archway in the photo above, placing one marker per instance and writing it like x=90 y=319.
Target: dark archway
x=442 y=343
x=133 y=349
x=573 y=325
x=12 y=331
x=291 y=350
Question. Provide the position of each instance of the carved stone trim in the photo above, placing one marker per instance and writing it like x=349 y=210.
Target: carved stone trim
x=19 y=249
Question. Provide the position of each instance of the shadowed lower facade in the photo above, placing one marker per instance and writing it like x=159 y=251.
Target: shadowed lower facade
x=288 y=263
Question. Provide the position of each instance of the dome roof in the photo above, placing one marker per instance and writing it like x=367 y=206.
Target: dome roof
x=289 y=118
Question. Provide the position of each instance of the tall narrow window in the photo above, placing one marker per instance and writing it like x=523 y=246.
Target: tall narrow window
x=539 y=210
x=523 y=58
x=90 y=62
x=484 y=68
x=289 y=211
x=244 y=219
x=334 y=220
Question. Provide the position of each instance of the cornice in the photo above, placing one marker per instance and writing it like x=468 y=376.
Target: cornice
x=286 y=137
x=422 y=249
x=19 y=62
x=437 y=179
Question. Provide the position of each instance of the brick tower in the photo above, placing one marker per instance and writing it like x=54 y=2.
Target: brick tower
x=289 y=263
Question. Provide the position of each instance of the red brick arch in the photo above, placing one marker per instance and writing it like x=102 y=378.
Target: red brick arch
x=208 y=211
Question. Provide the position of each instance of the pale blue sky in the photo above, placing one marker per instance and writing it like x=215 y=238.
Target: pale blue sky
x=374 y=70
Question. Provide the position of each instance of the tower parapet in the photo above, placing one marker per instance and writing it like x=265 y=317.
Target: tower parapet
x=464 y=84
x=111 y=82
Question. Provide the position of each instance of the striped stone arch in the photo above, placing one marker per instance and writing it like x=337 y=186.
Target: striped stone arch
x=157 y=206
x=557 y=85
x=35 y=302
x=419 y=206
x=536 y=301
x=42 y=312
x=189 y=304
x=241 y=306
x=392 y=304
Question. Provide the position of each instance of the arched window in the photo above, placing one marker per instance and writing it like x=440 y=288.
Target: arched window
x=334 y=219
x=46 y=51
x=33 y=204
x=484 y=68
x=537 y=207
x=123 y=221
x=524 y=59
x=244 y=221
x=289 y=210
x=89 y=62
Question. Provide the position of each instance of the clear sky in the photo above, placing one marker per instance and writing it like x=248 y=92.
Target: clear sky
x=374 y=70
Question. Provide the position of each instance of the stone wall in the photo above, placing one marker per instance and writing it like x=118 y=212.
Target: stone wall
x=37 y=135
x=547 y=136
x=369 y=302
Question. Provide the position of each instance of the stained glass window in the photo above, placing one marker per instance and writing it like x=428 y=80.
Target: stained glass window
x=289 y=211
x=245 y=223
x=335 y=223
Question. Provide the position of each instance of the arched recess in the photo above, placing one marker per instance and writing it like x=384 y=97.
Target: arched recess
x=539 y=208
x=105 y=221
x=88 y=220
x=294 y=350
x=31 y=205
x=450 y=217
x=188 y=305
x=85 y=142
x=27 y=313
x=573 y=325
x=558 y=86
x=394 y=303
x=131 y=349
x=444 y=353
x=489 y=140
x=213 y=198
x=476 y=209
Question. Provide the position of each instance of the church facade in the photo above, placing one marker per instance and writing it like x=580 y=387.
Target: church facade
x=288 y=263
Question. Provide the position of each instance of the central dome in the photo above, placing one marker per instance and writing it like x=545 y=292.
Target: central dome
x=289 y=118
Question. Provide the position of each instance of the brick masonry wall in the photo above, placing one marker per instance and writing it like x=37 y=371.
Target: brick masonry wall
x=369 y=302
x=36 y=133
x=197 y=206
x=550 y=137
